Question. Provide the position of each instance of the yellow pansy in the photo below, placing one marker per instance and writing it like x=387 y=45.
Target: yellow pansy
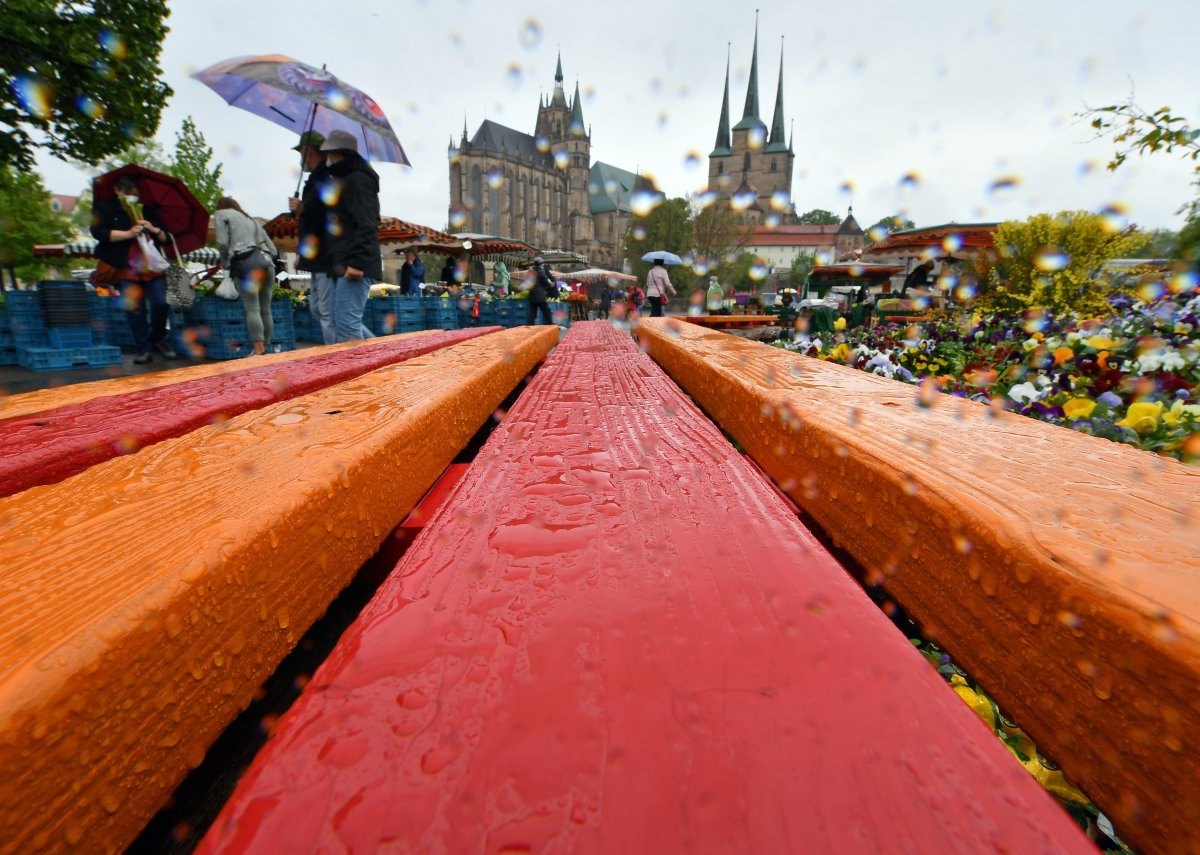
x=1100 y=342
x=839 y=324
x=1178 y=410
x=1079 y=408
x=1142 y=417
x=841 y=353
x=977 y=702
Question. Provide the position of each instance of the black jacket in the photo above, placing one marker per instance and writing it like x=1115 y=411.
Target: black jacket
x=543 y=287
x=352 y=221
x=312 y=252
x=109 y=216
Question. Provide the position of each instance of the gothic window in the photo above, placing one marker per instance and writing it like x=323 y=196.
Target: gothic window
x=720 y=167
x=493 y=212
x=746 y=162
x=476 y=202
x=773 y=165
x=512 y=202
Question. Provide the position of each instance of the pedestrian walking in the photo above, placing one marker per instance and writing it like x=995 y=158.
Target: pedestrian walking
x=353 y=232
x=540 y=292
x=130 y=238
x=658 y=288
x=249 y=256
x=606 y=297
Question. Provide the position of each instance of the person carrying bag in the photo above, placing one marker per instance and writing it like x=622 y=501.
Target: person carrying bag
x=248 y=254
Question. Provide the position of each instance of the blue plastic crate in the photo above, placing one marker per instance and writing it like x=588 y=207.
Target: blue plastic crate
x=66 y=338
x=6 y=338
x=8 y=356
x=56 y=359
x=26 y=337
x=216 y=309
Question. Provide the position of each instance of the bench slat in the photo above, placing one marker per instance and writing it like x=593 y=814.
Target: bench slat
x=143 y=601
x=48 y=446
x=615 y=637
x=1060 y=569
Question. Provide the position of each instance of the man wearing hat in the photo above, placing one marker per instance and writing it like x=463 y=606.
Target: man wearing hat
x=351 y=232
x=312 y=253
x=539 y=294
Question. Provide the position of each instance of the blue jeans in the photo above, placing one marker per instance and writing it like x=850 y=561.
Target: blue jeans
x=349 y=300
x=138 y=296
x=320 y=304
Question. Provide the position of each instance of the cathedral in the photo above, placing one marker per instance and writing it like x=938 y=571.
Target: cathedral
x=751 y=166
x=543 y=188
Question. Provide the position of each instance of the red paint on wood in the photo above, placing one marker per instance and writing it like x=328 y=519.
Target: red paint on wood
x=47 y=447
x=616 y=638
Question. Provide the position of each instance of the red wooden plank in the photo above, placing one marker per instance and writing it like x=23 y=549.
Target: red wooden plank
x=47 y=447
x=616 y=638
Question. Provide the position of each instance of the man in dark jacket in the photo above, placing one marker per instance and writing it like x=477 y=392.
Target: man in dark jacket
x=312 y=251
x=539 y=294
x=352 y=232
x=117 y=225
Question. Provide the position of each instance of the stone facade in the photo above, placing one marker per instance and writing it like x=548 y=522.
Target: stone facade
x=752 y=165
x=542 y=188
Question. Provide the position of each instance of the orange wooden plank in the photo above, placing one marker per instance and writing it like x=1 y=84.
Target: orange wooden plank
x=143 y=601
x=1059 y=568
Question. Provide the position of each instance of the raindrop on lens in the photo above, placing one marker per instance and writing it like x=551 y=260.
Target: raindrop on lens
x=1051 y=258
x=952 y=242
x=1114 y=218
x=458 y=217
x=1006 y=182
x=692 y=159
x=562 y=159
x=757 y=138
x=910 y=181
x=759 y=270
x=742 y=201
x=495 y=179
x=530 y=34
x=781 y=201
x=642 y=202
x=34 y=96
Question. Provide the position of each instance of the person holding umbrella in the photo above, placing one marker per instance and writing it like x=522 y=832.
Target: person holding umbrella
x=129 y=234
x=352 y=232
x=312 y=253
x=658 y=287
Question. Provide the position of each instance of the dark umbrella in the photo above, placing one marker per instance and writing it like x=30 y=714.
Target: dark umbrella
x=178 y=210
x=302 y=97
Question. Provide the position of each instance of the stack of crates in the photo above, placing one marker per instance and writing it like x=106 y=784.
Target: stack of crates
x=8 y=350
x=306 y=326
x=216 y=328
x=440 y=314
x=388 y=315
x=52 y=329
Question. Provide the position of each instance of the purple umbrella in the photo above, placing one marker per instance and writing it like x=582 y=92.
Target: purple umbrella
x=301 y=97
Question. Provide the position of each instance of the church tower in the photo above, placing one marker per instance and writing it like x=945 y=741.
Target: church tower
x=578 y=146
x=749 y=164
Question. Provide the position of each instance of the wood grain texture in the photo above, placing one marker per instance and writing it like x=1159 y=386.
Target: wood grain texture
x=1060 y=569
x=47 y=446
x=12 y=406
x=616 y=637
x=142 y=602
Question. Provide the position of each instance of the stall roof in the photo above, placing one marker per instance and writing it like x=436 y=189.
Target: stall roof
x=967 y=235
x=86 y=249
x=855 y=270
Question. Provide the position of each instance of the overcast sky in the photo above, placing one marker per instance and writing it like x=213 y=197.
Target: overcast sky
x=957 y=95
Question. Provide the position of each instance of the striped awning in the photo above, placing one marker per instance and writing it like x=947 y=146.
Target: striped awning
x=86 y=248
x=286 y=227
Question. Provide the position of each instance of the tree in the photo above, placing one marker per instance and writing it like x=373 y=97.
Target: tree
x=190 y=164
x=669 y=227
x=802 y=265
x=741 y=272
x=894 y=223
x=1053 y=261
x=1160 y=243
x=26 y=219
x=818 y=217
x=79 y=79
x=717 y=236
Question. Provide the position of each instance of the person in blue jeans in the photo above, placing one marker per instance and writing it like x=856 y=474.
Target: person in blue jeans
x=352 y=227
x=117 y=225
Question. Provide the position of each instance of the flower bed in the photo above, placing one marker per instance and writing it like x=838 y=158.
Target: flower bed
x=1131 y=377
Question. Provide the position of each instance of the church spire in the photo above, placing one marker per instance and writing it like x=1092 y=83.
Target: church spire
x=559 y=99
x=723 y=145
x=752 y=88
x=777 y=142
x=576 y=127
x=750 y=119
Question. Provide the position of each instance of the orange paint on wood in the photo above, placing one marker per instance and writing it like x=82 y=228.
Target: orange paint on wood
x=143 y=601
x=1060 y=569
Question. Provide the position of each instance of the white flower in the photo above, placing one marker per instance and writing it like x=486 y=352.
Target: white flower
x=1073 y=337
x=1025 y=393
x=1029 y=344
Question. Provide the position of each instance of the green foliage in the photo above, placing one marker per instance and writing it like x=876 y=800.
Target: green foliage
x=818 y=217
x=1053 y=261
x=738 y=274
x=191 y=165
x=1160 y=243
x=79 y=79
x=802 y=265
x=669 y=227
x=717 y=237
x=1187 y=243
x=25 y=220
x=894 y=223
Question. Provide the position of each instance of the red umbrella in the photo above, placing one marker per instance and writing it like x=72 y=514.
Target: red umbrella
x=180 y=213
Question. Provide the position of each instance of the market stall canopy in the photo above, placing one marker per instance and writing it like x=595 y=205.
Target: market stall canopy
x=595 y=274
x=855 y=270
x=935 y=243
x=284 y=230
x=87 y=248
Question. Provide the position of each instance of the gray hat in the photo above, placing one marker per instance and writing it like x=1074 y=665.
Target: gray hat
x=340 y=141
x=537 y=259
